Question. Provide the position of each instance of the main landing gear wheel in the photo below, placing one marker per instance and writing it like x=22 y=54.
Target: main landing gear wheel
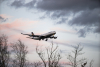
x=46 y=39
x=55 y=37
x=39 y=39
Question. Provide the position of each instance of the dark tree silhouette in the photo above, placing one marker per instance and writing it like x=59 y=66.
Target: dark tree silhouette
x=20 y=52
x=37 y=64
x=4 y=53
x=84 y=64
x=52 y=54
x=73 y=59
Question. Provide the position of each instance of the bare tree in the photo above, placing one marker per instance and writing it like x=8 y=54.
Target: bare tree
x=52 y=54
x=41 y=55
x=37 y=64
x=84 y=64
x=91 y=63
x=73 y=59
x=4 y=53
x=20 y=52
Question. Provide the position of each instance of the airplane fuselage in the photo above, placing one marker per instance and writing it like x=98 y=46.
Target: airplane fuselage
x=42 y=36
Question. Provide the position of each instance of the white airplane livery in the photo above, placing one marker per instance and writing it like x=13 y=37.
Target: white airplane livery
x=42 y=36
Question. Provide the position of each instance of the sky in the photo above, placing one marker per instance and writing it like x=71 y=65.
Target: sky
x=75 y=21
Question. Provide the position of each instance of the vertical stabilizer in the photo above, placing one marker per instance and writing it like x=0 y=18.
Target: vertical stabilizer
x=32 y=33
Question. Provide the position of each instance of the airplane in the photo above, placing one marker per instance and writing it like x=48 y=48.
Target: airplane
x=42 y=36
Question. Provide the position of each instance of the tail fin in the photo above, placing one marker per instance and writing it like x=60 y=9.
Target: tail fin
x=32 y=33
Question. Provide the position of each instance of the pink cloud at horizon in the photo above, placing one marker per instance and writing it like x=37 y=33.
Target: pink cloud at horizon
x=17 y=26
x=5 y=16
x=18 y=23
x=13 y=29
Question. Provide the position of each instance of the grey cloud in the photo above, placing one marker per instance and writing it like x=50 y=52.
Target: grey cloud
x=3 y=19
x=21 y=3
x=87 y=18
x=1 y=1
x=42 y=17
x=59 y=9
x=57 y=14
x=84 y=31
x=63 y=20
x=97 y=29
x=30 y=4
x=75 y=5
x=18 y=3
x=90 y=12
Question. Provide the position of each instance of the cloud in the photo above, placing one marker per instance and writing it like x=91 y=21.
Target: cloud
x=75 y=5
x=14 y=29
x=82 y=32
x=83 y=12
x=63 y=20
x=17 y=25
x=5 y=16
x=30 y=4
x=87 y=17
x=21 y=3
x=59 y=14
x=97 y=29
x=18 y=3
x=1 y=1
x=2 y=19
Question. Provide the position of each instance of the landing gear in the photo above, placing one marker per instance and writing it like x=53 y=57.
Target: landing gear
x=55 y=37
x=46 y=39
x=39 y=39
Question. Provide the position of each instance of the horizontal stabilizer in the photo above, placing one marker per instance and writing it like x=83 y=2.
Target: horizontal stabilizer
x=28 y=37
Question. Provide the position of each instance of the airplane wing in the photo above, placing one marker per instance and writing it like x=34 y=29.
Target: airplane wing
x=36 y=35
x=41 y=37
x=31 y=35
